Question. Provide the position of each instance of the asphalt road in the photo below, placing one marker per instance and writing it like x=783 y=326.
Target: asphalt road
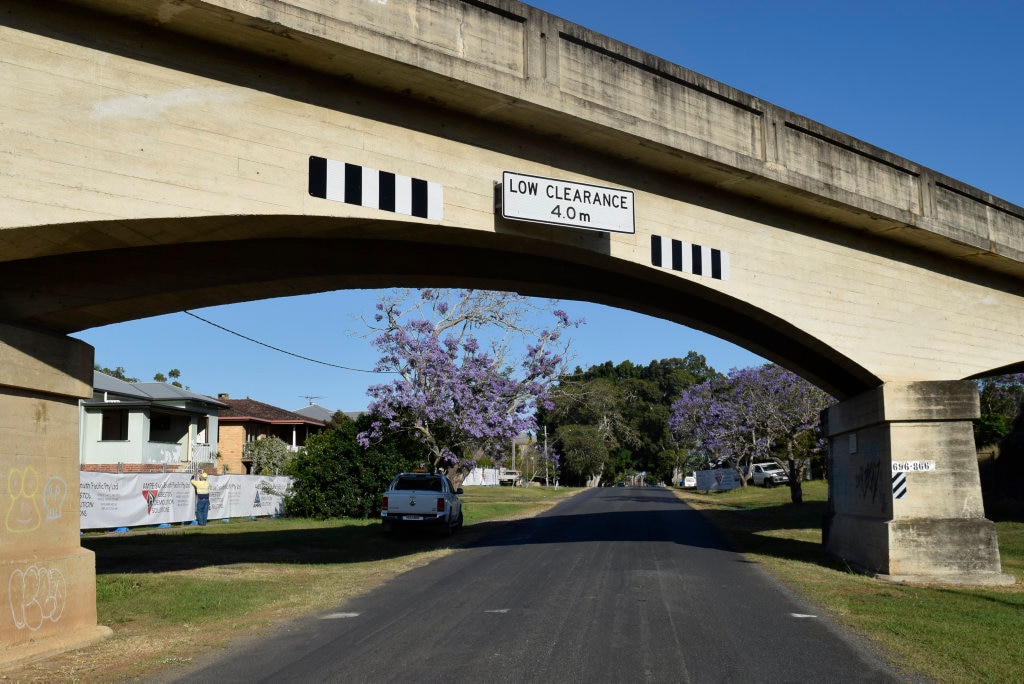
x=612 y=585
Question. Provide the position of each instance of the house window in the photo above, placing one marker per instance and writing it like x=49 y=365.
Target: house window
x=115 y=426
x=202 y=429
x=252 y=432
x=165 y=427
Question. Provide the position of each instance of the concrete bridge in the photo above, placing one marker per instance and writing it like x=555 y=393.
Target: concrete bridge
x=164 y=154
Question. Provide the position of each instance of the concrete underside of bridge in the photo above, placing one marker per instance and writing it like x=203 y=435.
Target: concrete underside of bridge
x=160 y=159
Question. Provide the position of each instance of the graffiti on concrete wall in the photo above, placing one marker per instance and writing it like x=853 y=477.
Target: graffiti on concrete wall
x=54 y=492
x=31 y=503
x=37 y=595
x=866 y=479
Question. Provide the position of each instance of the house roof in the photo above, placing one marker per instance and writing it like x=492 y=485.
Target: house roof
x=147 y=392
x=316 y=412
x=101 y=382
x=250 y=409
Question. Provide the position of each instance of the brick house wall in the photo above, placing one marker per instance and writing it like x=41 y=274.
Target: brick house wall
x=247 y=419
x=230 y=440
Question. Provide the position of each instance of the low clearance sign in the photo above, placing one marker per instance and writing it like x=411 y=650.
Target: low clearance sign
x=565 y=203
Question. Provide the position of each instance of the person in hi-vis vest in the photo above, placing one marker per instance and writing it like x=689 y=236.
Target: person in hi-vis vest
x=202 y=486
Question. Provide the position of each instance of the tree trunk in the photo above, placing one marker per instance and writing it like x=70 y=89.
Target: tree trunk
x=457 y=474
x=796 y=479
x=458 y=477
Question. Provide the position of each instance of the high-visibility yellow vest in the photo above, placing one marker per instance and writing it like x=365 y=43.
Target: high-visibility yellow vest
x=202 y=486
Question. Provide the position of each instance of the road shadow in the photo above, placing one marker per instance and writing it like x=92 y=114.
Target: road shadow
x=219 y=544
x=663 y=519
x=672 y=521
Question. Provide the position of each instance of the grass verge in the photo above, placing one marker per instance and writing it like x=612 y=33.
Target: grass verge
x=949 y=634
x=171 y=595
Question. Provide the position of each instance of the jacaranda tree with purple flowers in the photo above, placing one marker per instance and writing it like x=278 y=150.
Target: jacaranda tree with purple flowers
x=471 y=371
x=752 y=414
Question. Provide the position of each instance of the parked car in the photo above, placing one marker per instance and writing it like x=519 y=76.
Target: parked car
x=768 y=475
x=510 y=478
x=421 y=499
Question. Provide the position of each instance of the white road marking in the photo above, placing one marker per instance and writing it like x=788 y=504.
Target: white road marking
x=497 y=610
x=334 y=616
x=801 y=615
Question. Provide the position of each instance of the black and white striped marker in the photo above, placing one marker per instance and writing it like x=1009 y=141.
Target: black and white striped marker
x=689 y=258
x=373 y=189
x=899 y=485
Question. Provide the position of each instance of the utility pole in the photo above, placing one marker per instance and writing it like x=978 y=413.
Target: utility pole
x=547 y=481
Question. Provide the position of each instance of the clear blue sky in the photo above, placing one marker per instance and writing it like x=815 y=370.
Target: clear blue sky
x=939 y=83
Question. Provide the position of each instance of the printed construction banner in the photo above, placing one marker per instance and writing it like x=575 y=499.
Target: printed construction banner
x=130 y=499
x=718 y=479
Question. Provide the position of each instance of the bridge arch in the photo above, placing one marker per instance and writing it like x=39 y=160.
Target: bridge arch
x=163 y=153
x=158 y=279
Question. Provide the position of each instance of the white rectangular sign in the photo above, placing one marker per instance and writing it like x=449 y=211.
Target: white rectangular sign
x=717 y=480
x=129 y=500
x=912 y=466
x=566 y=203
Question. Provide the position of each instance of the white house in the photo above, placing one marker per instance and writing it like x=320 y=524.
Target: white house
x=146 y=426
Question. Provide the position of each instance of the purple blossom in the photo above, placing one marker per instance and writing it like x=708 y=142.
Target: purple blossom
x=458 y=399
x=744 y=416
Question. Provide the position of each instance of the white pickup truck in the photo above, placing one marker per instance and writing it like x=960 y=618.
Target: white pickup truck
x=509 y=478
x=421 y=499
x=768 y=475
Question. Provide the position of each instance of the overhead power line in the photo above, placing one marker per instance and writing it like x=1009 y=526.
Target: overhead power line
x=278 y=349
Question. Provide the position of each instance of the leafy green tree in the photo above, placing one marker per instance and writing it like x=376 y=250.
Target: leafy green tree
x=1009 y=467
x=1001 y=400
x=336 y=477
x=629 y=405
x=339 y=419
x=172 y=375
x=584 y=453
x=118 y=373
x=270 y=455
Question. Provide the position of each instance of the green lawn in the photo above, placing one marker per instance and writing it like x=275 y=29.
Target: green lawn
x=951 y=634
x=172 y=594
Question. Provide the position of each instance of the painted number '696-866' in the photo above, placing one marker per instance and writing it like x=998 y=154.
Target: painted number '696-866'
x=912 y=466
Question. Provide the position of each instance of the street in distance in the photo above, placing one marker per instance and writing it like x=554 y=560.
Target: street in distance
x=566 y=203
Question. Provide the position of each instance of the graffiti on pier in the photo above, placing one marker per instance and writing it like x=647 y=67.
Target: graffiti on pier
x=36 y=594
x=54 y=492
x=866 y=480
x=24 y=513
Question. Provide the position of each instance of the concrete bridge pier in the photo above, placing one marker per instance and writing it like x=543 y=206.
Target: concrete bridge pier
x=904 y=491
x=47 y=581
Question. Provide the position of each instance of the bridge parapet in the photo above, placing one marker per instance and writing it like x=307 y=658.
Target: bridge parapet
x=512 y=63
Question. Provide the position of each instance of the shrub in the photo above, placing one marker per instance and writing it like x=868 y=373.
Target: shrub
x=270 y=456
x=335 y=477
